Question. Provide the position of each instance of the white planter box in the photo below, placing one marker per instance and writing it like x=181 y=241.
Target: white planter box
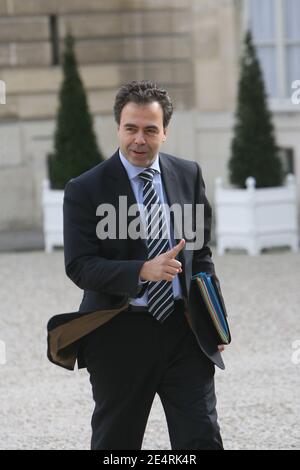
x=52 y=216
x=254 y=219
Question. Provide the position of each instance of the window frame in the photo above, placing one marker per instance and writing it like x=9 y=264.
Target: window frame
x=282 y=102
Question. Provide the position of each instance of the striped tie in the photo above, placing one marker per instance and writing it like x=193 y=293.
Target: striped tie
x=160 y=293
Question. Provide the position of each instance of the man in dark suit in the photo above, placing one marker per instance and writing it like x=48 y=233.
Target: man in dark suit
x=150 y=335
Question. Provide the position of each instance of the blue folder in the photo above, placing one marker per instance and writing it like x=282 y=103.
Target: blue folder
x=211 y=300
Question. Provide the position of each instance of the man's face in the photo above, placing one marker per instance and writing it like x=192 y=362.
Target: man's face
x=141 y=132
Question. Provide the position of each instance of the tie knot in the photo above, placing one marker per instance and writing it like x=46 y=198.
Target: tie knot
x=148 y=174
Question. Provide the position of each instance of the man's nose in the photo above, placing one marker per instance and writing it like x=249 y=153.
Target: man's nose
x=139 y=138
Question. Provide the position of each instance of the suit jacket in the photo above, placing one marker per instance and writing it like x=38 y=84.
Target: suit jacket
x=108 y=269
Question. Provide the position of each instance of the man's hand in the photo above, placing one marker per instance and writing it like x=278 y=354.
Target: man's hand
x=163 y=267
x=221 y=347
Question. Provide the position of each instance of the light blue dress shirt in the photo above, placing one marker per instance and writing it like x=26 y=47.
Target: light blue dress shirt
x=137 y=187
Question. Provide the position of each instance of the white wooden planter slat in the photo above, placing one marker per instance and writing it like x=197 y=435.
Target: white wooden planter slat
x=254 y=219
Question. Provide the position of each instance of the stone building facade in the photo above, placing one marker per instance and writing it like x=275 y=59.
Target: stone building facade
x=190 y=46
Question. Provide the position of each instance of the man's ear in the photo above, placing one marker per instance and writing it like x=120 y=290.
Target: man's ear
x=165 y=134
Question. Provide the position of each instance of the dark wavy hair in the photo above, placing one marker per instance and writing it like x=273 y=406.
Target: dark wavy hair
x=143 y=92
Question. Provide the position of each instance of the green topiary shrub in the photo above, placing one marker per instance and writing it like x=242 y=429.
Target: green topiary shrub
x=253 y=149
x=75 y=146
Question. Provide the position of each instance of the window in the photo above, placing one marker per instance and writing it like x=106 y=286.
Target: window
x=275 y=25
x=287 y=158
x=292 y=40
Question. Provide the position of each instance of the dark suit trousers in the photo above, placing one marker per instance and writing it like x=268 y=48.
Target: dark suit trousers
x=130 y=359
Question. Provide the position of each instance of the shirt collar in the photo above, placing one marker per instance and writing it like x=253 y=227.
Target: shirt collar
x=133 y=171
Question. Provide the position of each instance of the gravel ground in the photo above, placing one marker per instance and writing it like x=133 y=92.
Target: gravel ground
x=47 y=407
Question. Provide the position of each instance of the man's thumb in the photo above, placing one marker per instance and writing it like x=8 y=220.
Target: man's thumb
x=176 y=249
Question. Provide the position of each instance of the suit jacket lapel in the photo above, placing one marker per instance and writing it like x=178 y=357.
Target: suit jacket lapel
x=173 y=188
x=170 y=181
x=117 y=173
x=118 y=178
